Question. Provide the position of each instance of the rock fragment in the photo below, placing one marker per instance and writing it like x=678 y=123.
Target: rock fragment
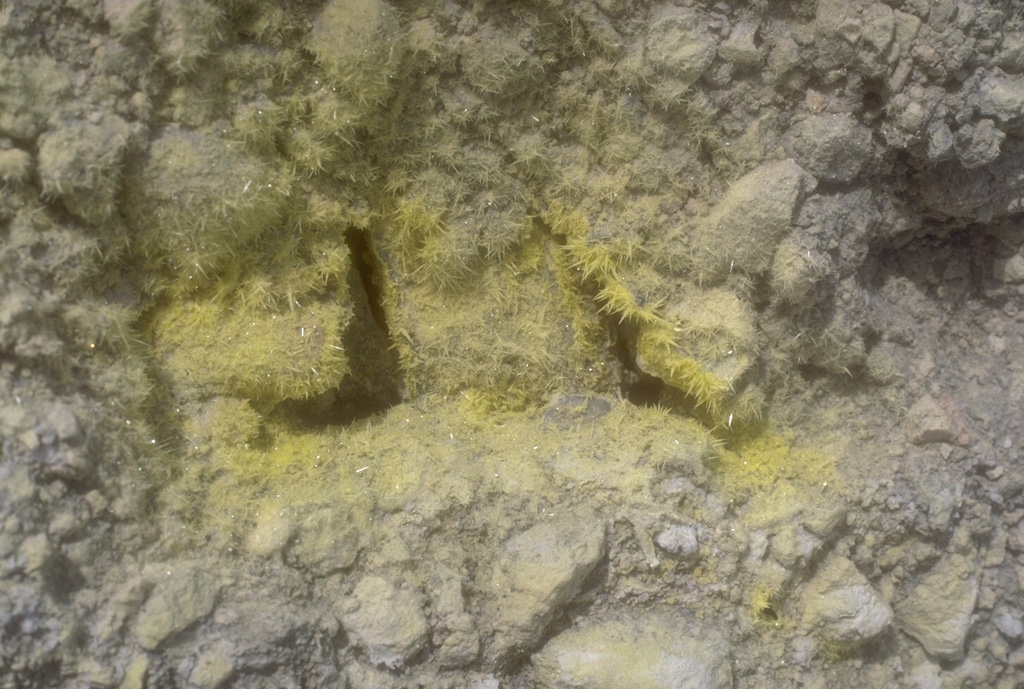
x=1001 y=95
x=645 y=653
x=1009 y=270
x=741 y=48
x=326 y=541
x=840 y=604
x=539 y=571
x=455 y=634
x=183 y=599
x=15 y=166
x=833 y=148
x=187 y=31
x=1010 y=623
x=932 y=420
x=386 y=621
x=937 y=612
x=979 y=144
x=679 y=540
x=30 y=90
x=744 y=229
x=679 y=47
x=80 y=163
x=360 y=45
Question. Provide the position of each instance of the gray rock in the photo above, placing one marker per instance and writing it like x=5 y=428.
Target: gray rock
x=1009 y=270
x=861 y=28
x=878 y=26
x=186 y=29
x=981 y=194
x=461 y=644
x=823 y=519
x=1001 y=95
x=80 y=164
x=212 y=669
x=385 y=621
x=183 y=599
x=15 y=166
x=647 y=653
x=791 y=544
x=978 y=144
x=745 y=227
x=929 y=422
x=678 y=46
x=36 y=553
x=455 y=632
x=740 y=48
x=1011 y=53
x=906 y=29
x=62 y=423
x=937 y=612
x=539 y=571
x=32 y=88
x=940 y=142
x=941 y=504
x=325 y=541
x=833 y=148
x=1009 y=623
x=679 y=540
x=841 y=606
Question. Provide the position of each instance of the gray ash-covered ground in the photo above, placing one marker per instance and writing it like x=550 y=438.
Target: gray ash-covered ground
x=593 y=343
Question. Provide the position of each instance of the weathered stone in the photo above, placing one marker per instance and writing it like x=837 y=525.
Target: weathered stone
x=740 y=48
x=61 y=421
x=1015 y=538
x=1001 y=95
x=212 y=669
x=272 y=532
x=937 y=612
x=931 y=421
x=823 y=518
x=15 y=166
x=135 y=673
x=678 y=46
x=36 y=553
x=878 y=26
x=906 y=28
x=940 y=142
x=326 y=541
x=833 y=148
x=540 y=570
x=455 y=632
x=840 y=604
x=30 y=89
x=791 y=545
x=1009 y=622
x=745 y=227
x=863 y=29
x=941 y=504
x=978 y=144
x=647 y=653
x=186 y=29
x=385 y=621
x=461 y=645
x=679 y=540
x=80 y=163
x=180 y=601
x=1009 y=270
